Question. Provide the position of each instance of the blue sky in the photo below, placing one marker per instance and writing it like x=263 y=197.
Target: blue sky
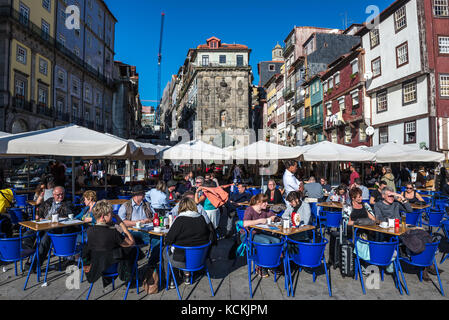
x=259 y=24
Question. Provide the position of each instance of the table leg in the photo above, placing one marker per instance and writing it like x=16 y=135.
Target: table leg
x=38 y=268
x=160 y=263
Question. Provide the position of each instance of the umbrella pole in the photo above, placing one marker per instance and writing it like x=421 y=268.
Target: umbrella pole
x=28 y=174
x=73 y=179
x=105 y=175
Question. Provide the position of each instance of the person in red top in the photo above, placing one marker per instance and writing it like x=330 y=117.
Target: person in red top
x=354 y=175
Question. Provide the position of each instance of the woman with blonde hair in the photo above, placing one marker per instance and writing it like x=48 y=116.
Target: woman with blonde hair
x=90 y=200
x=188 y=230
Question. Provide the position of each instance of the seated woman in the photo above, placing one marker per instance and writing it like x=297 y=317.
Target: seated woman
x=339 y=194
x=255 y=214
x=359 y=210
x=105 y=245
x=188 y=230
x=90 y=200
x=46 y=193
x=212 y=212
x=39 y=192
x=273 y=194
x=158 y=197
x=411 y=195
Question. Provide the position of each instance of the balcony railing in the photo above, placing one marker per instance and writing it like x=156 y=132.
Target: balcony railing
x=21 y=103
x=45 y=110
x=288 y=93
x=63 y=116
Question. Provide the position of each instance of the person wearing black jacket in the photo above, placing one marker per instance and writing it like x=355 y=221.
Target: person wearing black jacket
x=188 y=230
x=273 y=194
x=231 y=206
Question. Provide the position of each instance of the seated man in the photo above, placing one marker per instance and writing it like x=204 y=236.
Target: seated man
x=185 y=185
x=313 y=189
x=365 y=191
x=391 y=205
x=232 y=204
x=301 y=216
x=103 y=241
x=52 y=206
x=327 y=187
x=376 y=195
x=136 y=210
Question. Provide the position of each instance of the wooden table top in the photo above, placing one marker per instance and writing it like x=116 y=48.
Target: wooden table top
x=336 y=205
x=148 y=230
x=47 y=226
x=284 y=232
x=391 y=231
x=117 y=201
x=420 y=206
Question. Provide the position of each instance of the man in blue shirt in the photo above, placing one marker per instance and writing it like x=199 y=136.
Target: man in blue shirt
x=134 y=211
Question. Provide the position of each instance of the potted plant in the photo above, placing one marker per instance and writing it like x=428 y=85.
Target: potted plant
x=353 y=76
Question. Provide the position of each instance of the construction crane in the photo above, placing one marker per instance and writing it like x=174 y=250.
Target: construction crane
x=159 y=71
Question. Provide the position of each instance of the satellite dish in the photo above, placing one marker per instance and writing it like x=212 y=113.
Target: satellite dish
x=368 y=75
x=289 y=128
x=294 y=131
x=303 y=92
x=304 y=134
x=369 y=131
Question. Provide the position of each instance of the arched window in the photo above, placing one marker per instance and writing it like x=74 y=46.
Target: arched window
x=19 y=126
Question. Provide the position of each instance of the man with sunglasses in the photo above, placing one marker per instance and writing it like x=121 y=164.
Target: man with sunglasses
x=391 y=206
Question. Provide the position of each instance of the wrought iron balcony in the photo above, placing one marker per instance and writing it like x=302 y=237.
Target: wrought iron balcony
x=43 y=109
x=21 y=103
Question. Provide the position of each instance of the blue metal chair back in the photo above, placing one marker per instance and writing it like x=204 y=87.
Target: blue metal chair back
x=241 y=213
x=425 y=258
x=195 y=256
x=314 y=211
x=21 y=200
x=381 y=253
x=16 y=215
x=11 y=248
x=112 y=271
x=64 y=245
x=267 y=255
x=309 y=254
x=435 y=219
x=255 y=191
x=333 y=219
x=412 y=218
x=124 y=197
x=116 y=208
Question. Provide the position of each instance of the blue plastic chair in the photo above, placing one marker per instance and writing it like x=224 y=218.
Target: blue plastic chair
x=434 y=219
x=116 y=208
x=314 y=212
x=112 y=272
x=255 y=191
x=264 y=256
x=16 y=215
x=332 y=219
x=310 y=255
x=413 y=218
x=241 y=213
x=195 y=261
x=423 y=260
x=63 y=246
x=21 y=201
x=124 y=197
x=11 y=251
x=381 y=254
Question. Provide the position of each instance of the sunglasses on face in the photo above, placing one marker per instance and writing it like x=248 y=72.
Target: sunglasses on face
x=390 y=196
x=409 y=188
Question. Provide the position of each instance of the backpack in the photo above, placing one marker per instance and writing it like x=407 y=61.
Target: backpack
x=6 y=200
